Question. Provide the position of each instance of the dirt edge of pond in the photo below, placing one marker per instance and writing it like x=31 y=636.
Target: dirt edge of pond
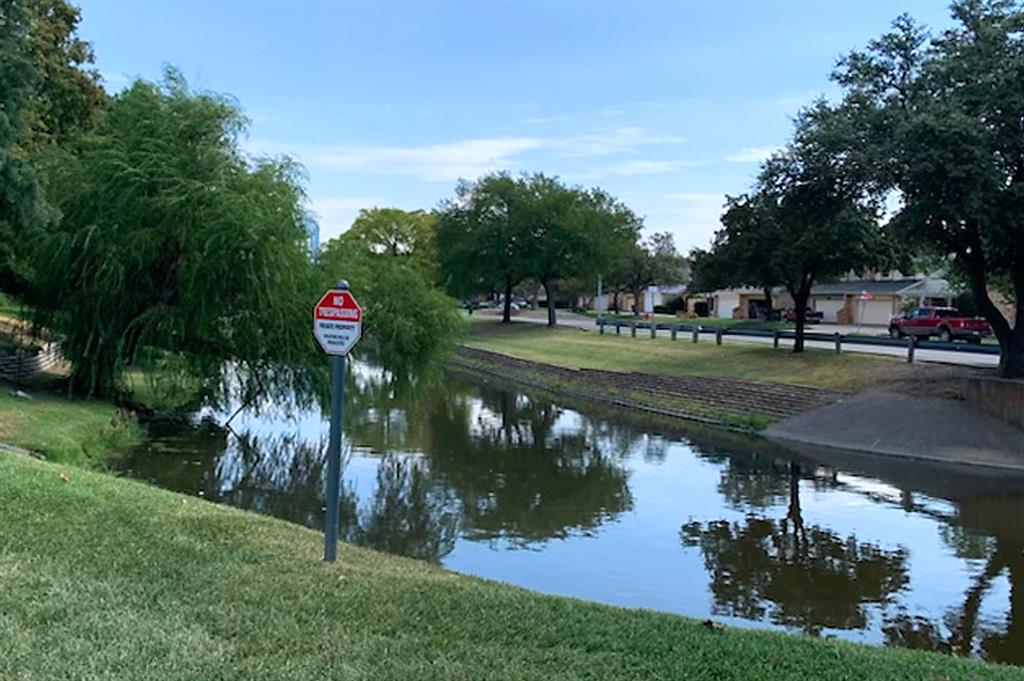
x=742 y=406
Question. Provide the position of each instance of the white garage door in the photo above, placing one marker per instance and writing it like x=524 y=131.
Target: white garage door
x=876 y=311
x=725 y=304
x=830 y=308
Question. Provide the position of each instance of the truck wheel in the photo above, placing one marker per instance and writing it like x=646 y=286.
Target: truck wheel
x=945 y=336
x=895 y=332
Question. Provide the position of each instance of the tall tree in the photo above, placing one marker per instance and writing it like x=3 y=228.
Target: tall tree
x=573 y=233
x=482 y=240
x=810 y=218
x=942 y=121
x=67 y=98
x=387 y=258
x=742 y=252
x=649 y=262
x=21 y=204
x=171 y=238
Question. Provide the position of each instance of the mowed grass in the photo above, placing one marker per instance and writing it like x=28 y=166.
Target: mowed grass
x=78 y=432
x=107 y=578
x=579 y=348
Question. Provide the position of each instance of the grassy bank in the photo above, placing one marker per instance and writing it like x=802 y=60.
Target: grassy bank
x=587 y=349
x=109 y=578
x=78 y=432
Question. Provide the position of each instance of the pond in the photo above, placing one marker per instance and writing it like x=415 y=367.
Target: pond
x=519 y=487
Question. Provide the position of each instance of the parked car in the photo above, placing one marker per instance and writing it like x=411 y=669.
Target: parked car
x=810 y=316
x=945 y=322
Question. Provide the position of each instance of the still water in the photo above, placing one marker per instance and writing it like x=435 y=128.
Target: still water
x=495 y=482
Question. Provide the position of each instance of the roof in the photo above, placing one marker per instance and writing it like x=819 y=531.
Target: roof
x=928 y=286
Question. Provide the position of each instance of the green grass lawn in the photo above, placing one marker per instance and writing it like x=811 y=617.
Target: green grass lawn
x=79 y=432
x=587 y=349
x=106 y=578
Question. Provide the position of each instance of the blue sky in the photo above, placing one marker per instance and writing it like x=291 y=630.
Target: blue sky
x=667 y=105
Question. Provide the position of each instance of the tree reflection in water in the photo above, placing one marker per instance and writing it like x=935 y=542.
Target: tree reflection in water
x=793 y=574
x=519 y=475
x=438 y=464
x=987 y=532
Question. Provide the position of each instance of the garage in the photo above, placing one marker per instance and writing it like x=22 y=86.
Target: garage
x=725 y=303
x=877 y=312
x=829 y=307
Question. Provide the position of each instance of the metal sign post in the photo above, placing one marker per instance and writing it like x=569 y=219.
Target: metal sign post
x=337 y=326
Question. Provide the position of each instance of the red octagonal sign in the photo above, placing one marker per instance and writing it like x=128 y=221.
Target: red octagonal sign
x=337 y=322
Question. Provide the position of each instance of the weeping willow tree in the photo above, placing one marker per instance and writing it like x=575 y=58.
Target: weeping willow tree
x=173 y=242
x=410 y=324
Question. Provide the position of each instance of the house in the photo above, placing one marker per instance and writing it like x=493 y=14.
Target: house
x=653 y=296
x=736 y=303
x=875 y=302
x=850 y=301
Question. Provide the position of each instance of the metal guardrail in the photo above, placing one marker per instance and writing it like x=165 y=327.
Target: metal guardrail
x=838 y=339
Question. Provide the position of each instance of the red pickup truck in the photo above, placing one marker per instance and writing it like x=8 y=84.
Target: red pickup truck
x=944 y=322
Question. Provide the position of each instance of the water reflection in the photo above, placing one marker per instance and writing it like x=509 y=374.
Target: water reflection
x=782 y=567
x=629 y=513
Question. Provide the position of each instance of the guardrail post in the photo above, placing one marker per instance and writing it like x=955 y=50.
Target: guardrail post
x=775 y=339
x=718 y=336
x=618 y=328
x=911 y=346
x=839 y=343
x=696 y=333
x=654 y=329
x=632 y=329
x=675 y=329
x=600 y=326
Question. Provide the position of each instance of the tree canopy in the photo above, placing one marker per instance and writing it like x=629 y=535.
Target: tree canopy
x=810 y=217
x=387 y=256
x=648 y=262
x=940 y=121
x=502 y=229
x=172 y=238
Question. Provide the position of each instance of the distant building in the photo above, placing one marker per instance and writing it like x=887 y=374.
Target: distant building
x=313 y=232
x=850 y=301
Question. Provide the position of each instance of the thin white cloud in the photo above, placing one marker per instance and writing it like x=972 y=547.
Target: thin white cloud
x=542 y=120
x=751 y=154
x=470 y=158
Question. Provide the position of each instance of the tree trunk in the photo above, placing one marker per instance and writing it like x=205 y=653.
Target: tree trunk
x=636 y=302
x=769 y=306
x=1011 y=357
x=549 y=291
x=800 y=302
x=1011 y=339
x=506 y=312
x=615 y=302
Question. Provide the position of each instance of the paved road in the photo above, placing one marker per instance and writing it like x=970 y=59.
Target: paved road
x=939 y=356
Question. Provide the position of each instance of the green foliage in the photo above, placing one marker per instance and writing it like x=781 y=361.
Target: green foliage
x=500 y=230
x=939 y=120
x=394 y=233
x=482 y=240
x=21 y=205
x=811 y=217
x=171 y=238
x=68 y=98
x=646 y=263
x=387 y=258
